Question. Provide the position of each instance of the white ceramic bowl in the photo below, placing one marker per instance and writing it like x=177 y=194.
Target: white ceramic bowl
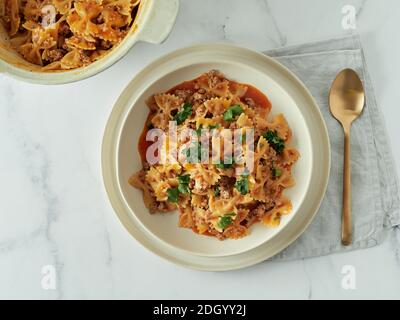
x=153 y=24
x=160 y=233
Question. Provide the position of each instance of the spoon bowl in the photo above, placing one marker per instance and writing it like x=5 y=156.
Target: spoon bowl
x=347 y=96
x=346 y=102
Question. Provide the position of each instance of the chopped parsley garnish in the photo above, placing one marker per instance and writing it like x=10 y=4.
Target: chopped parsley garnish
x=276 y=142
x=180 y=117
x=245 y=173
x=227 y=164
x=276 y=172
x=173 y=195
x=195 y=152
x=210 y=127
x=226 y=220
x=243 y=185
x=183 y=186
x=217 y=191
x=198 y=131
x=233 y=112
x=184 y=179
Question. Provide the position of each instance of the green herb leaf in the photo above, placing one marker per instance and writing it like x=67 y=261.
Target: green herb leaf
x=226 y=220
x=217 y=191
x=210 y=127
x=194 y=152
x=233 y=112
x=184 y=179
x=198 y=131
x=245 y=173
x=173 y=195
x=180 y=117
x=243 y=185
x=226 y=165
x=183 y=186
x=276 y=142
x=228 y=115
x=276 y=172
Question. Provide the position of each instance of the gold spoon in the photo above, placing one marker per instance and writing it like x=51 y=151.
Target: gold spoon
x=346 y=101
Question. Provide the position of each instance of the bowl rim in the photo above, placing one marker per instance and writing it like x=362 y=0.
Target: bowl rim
x=160 y=247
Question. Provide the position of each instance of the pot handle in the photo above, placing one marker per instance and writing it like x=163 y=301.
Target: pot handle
x=160 y=21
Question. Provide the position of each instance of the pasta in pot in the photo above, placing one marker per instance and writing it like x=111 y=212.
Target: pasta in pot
x=215 y=198
x=66 y=34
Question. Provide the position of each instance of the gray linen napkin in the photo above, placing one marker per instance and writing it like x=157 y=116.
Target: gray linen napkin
x=375 y=198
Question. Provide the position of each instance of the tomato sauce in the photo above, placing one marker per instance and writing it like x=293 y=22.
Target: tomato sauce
x=186 y=85
x=143 y=143
x=259 y=98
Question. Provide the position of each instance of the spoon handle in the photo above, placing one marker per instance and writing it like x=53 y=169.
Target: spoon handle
x=346 y=218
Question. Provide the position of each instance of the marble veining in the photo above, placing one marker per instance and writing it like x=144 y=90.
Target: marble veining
x=282 y=39
x=54 y=210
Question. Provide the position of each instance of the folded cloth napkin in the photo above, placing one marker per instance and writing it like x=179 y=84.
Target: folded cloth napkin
x=375 y=196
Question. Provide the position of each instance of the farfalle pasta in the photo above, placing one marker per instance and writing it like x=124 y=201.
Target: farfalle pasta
x=217 y=195
x=66 y=34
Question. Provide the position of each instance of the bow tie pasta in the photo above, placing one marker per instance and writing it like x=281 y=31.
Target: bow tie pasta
x=214 y=198
x=66 y=34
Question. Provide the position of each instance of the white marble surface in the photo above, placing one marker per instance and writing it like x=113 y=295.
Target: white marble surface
x=54 y=210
